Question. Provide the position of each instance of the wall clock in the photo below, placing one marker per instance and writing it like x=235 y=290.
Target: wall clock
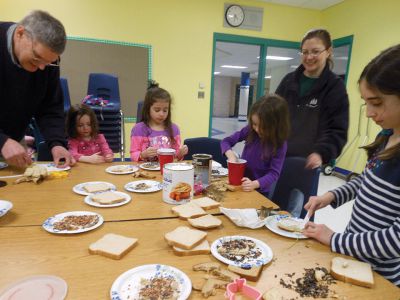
x=234 y=15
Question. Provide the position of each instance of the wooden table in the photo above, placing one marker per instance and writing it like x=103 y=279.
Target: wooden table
x=33 y=204
x=26 y=249
x=31 y=250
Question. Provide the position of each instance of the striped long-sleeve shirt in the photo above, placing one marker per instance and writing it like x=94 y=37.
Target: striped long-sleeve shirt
x=373 y=233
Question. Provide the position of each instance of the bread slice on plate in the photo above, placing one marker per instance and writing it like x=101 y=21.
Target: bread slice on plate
x=206 y=203
x=205 y=222
x=352 y=271
x=291 y=224
x=188 y=210
x=107 y=198
x=206 y=266
x=202 y=248
x=113 y=246
x=185 y=237
x=96 y=187
x=252 y=274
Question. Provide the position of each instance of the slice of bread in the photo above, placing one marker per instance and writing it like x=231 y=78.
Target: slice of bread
x=206 y=203
x=185 y=237
x=352 y=271
x=112 y=245
x=291 y=224
x=107 y=198
x=224 y=274
x=188 y=210
x=207 y=266
x=202 y=248
x=96 y=187
x=252 y=274
x=210 y=285
x=205 y=222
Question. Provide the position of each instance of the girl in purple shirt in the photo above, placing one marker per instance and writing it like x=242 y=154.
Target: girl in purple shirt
x=265 y=143
x=85 y=143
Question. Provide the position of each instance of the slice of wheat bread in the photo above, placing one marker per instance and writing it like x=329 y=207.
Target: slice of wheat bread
x=107 y=198
x=210 y=285
x=202 y=248
x=352 y=271
x=224 y=274
x=205 y=222
x=185 y=237
x=206 y=266
x=188 y=210
x=252 y=274
x=96 y=187
x=206 y=203
x=112 y=245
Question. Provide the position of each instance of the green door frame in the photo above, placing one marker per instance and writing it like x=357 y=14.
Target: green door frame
x=264 y=44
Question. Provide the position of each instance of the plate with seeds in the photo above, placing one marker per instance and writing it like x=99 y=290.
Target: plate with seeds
x=143 y=186
x=150 y=166
x=73 y=222
x=241 y=251
x=152 y=282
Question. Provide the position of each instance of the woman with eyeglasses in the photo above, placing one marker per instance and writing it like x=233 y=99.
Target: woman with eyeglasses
x=318 y=103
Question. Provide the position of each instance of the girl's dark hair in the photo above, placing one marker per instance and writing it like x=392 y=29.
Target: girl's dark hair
x=383 y=74
x=77 y=111
x=324 y=36
x=155 y=93
x=274 y=127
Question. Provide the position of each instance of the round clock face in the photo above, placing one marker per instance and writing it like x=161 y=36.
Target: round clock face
x=234 y=15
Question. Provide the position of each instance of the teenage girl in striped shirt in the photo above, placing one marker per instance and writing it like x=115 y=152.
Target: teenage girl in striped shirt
x=373 y=233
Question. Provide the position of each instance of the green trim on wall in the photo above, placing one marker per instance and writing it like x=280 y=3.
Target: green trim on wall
x=344 y=41
x=148 y=47
x=130 y=119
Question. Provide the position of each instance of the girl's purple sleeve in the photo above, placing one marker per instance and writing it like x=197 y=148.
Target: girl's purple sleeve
x=230 y=141
x=273 y=172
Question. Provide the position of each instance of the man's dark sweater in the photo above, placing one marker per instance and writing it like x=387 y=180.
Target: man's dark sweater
x=24 y=95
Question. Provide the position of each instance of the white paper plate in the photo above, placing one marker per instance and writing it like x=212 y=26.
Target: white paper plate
x=265 y=257
x=51 y=167
x=47 y=287
x=272 y=224
x=88 y=200
x=129 y=169
x=154 y=186
x=79 y=187
x=127 y=285
x=3 y=165
x=5 y=206
x=150 y=166
x=48 y=225
x=219 y=172
x=215 y=164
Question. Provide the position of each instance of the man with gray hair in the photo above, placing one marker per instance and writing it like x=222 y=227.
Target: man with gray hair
x=30 y=86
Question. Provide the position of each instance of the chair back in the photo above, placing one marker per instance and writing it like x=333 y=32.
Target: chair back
x=65 y=91
x=139 y=111
x=205 y=145
x=105 y=86
x=295 y=178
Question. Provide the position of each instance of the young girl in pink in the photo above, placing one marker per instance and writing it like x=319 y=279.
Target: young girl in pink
x=85 y=143
x=155 y=130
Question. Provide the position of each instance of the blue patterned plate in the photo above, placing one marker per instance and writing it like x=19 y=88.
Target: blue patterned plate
x=261 y=254
x=49 y=224
x=3 y=165
x=51 y=167
x=128 y=285
x=5 y=206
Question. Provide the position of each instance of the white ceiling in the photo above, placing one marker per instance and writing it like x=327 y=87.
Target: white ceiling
x=312 y=4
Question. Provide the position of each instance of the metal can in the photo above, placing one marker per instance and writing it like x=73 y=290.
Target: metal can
x=178 y=183
x=202 y=168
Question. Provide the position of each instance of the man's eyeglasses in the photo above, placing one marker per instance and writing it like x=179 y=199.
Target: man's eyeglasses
x=37 y=59
x=312 y=53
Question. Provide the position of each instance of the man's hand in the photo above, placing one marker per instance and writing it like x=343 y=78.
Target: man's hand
x=15 y=154
x=314 y=160
x=59 y=153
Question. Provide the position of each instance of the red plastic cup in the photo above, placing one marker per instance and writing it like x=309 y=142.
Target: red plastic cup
x=236 y=171
x=165 y=156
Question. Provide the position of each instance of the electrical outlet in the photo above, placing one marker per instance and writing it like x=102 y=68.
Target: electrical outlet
x=200 y=95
